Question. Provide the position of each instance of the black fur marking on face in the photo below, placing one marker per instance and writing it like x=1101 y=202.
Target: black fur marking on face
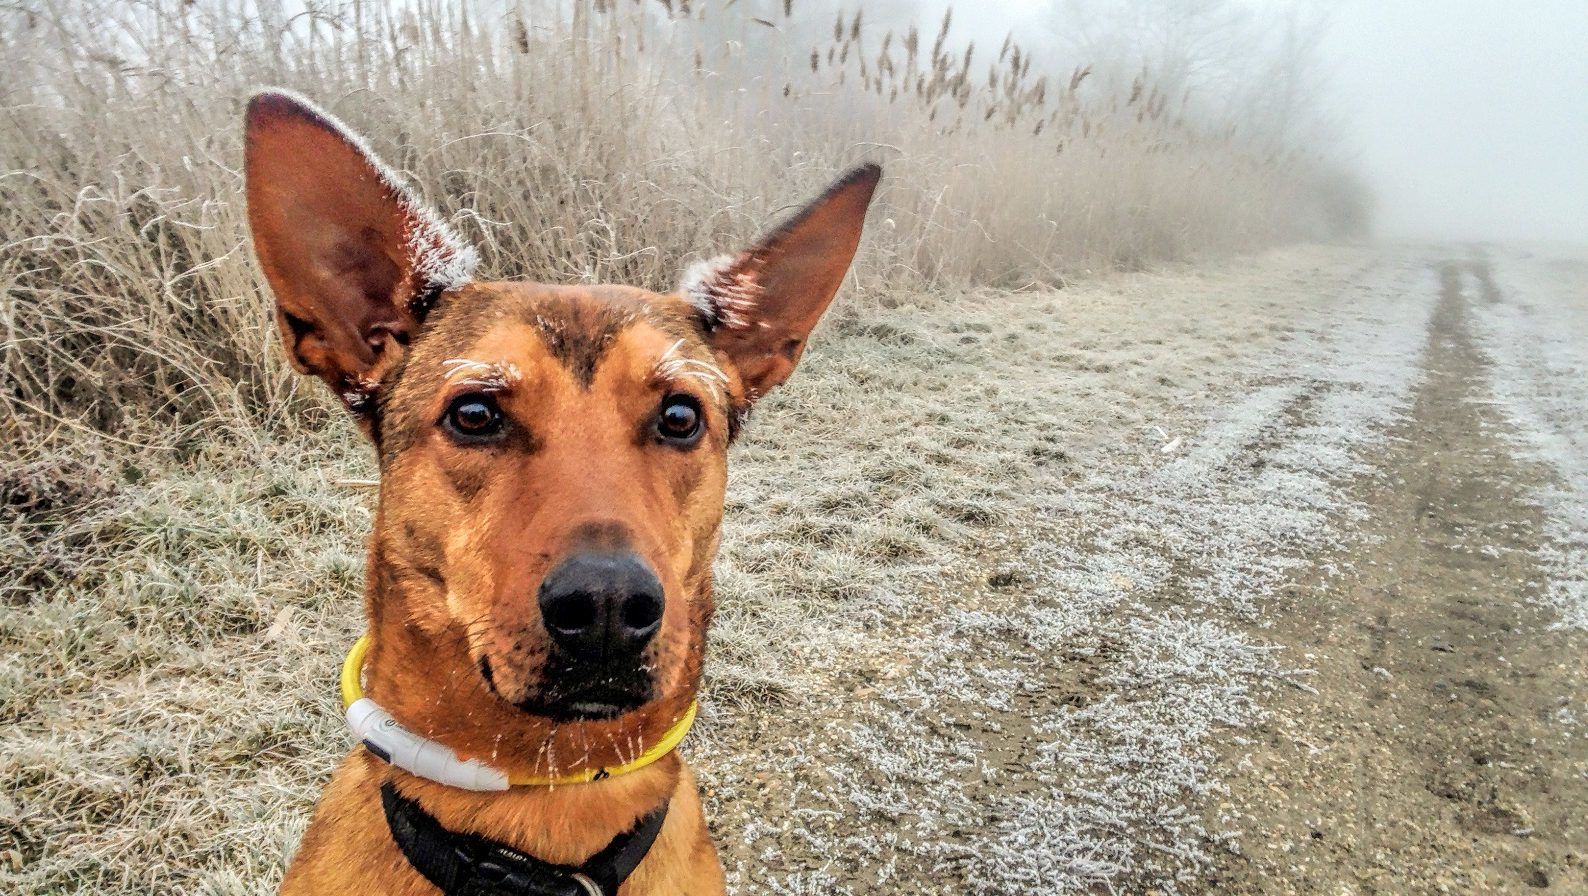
x=466 y=480
x=297 y=325
x=601 y=536
x=738 y=414
x=419 y=306
x=423 y=552
x=570 y=693
x=579 y=333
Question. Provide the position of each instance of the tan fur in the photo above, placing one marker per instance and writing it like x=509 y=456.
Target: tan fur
x=369 y=299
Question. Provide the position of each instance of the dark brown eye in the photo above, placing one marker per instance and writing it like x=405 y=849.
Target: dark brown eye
x=679 y=420
x=473 y=416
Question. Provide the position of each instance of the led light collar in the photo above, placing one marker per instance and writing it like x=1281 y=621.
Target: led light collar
x=386 y=738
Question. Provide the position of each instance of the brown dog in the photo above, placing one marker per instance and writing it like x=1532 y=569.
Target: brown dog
x=552 y=464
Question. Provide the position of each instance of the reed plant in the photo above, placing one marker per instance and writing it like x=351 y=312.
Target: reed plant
x=594 y=140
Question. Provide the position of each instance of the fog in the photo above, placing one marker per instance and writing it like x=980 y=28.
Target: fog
x=1468 y=118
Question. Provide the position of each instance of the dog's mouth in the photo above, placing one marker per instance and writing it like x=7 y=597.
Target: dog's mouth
x=571 y=693
x=579 y=710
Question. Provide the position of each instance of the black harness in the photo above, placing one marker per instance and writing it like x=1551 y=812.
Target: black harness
x=471 y=865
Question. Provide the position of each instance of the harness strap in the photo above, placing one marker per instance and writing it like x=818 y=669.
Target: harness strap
x=462 y=864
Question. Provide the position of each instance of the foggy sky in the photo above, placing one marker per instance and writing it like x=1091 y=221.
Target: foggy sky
x=1468 y=117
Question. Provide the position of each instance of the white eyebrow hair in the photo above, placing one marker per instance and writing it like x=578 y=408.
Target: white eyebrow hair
x=675 y=366
x=491 y=376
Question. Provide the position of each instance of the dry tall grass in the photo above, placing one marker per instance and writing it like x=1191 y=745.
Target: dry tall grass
x=596 y=140
x=167 y=486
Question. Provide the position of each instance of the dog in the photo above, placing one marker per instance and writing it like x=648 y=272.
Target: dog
x=552 y=467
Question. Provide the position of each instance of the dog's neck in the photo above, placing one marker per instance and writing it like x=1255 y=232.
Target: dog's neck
x=431 y=685
x=563 y=824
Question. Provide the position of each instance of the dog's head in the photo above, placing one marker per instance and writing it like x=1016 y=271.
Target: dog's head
x=552 y=458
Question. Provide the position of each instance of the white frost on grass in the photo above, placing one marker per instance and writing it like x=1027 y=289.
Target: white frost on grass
x=1056 y=734
x=1533 y=326
x=880 y=717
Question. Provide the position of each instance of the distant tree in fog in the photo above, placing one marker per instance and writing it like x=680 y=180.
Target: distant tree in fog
x=1252 y=65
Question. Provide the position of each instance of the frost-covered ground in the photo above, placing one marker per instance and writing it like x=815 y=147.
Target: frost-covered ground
x=1037 y=712
x=993 y=594
x=1532 y=322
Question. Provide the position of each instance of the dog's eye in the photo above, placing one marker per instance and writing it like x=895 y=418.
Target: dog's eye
x=679 y=420
x=473 y=416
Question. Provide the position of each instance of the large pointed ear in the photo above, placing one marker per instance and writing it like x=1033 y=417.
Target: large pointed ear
x=761 y=304
x=354 y=258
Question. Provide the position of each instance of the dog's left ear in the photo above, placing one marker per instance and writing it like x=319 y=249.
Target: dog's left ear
x=354 y=258
x=760 y=305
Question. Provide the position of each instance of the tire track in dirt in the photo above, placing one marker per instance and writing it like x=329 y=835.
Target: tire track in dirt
x=1433 y=757
x=1036 y=710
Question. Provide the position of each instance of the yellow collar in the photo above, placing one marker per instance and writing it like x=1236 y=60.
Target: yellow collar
x=353 y=692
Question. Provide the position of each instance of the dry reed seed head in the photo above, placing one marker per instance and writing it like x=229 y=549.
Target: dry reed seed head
x=560 y=230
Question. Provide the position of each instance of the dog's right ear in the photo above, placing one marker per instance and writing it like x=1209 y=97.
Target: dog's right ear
x=355 y=260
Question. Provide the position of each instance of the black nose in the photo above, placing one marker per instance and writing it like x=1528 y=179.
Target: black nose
x=602 y=607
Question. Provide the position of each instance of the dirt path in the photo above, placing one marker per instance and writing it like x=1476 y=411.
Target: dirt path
x=1008 y=583
x=1035 y=708
x=1435 y=756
